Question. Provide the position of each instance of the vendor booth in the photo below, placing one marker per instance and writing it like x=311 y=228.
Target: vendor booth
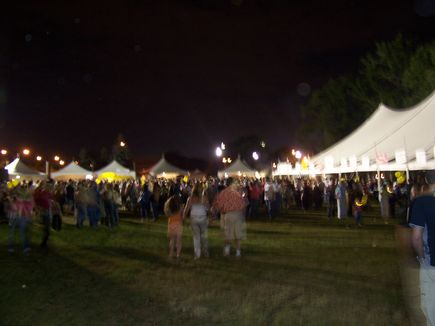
x=72 y=171
x=164 y=169
x=389 y=140
x=20 y=171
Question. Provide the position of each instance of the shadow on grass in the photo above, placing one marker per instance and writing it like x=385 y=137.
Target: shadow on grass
x=47 y=288
x=131 y=254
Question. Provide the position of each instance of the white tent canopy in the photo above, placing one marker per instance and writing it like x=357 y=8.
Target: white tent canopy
x=389 y=140
x=17 y=169
x=118 y=169
x=164 y=169
x=72 y=171
x=238 y=169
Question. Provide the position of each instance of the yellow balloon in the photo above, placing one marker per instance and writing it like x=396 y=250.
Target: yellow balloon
x=401 y=179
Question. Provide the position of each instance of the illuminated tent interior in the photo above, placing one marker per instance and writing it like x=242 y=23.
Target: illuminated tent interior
x=389 y=140
x=238 y=169
x=115 y=171
x=18 y=170
x=72 y=171
x=164 y=169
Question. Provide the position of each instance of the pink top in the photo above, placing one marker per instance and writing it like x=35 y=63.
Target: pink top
x=24 y=207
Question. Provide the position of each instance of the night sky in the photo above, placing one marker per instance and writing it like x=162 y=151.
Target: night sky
x=179 y=75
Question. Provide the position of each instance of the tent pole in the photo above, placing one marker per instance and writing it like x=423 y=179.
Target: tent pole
x=47 y=169
x=379 y=182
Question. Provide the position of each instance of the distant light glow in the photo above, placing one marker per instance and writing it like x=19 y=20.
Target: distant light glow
x=222 y=146
x=56 y=158
x=224 y=160
x=263 y=144
x=89 y=177
x=298 y=155
x=4 y=152
x=38 y=158
x=61 y=162
x=255 y=156
x=229 y=160
x=26 y=151
x=218 y=152
x=122 y=144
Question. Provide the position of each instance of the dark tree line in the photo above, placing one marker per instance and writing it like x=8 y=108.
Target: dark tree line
x=94 y=159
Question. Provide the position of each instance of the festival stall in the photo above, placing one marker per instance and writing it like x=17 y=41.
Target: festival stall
x=72 y=172
x=115 y=171
x=164 y=169
x=389 y=140
x=239 y=169
x=19 y=171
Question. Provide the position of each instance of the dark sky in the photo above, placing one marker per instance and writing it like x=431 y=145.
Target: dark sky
x=178 y=75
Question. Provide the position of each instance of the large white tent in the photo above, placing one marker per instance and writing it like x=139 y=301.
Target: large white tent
x=72 y=171
x=238 y=169
x=18 y=170
x=164 y=169
x=114 y=169
x=389 y=140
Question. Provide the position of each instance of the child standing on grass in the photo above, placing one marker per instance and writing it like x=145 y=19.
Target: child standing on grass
x=174 y=210
x=359 y=203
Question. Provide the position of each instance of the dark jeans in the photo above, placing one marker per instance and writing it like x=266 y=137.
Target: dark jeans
x=93 y=216
x=332 y=209
x=358 y=217
x=46 y=224
x=253 y=208
x=23 y=224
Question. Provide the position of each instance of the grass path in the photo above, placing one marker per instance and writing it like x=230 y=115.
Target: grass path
x=300 y=270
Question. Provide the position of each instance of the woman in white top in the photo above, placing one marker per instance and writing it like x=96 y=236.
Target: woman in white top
x=197 y=207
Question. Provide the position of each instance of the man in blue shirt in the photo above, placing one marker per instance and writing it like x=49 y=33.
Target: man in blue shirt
x=422 y=221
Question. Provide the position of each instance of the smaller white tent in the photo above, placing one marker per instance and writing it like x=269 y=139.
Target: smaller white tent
x=117 y=170
x=164 y=169
x=238 y=169
x=72 y=171
x=18 y=170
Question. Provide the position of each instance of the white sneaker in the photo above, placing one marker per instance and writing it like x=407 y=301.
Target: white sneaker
x=238 y=254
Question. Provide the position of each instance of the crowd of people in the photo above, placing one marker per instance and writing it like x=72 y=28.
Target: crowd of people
x=231 y=201
x=100 y=204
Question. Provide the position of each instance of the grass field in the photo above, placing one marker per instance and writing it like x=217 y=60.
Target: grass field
x=298 y=270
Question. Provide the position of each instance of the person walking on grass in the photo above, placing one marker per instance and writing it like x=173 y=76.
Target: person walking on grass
x=422 y=222
x=20 y=207
x=174 y=210
x=341 y=197
x=44 y=197
x=231 y=204
x=197 y=207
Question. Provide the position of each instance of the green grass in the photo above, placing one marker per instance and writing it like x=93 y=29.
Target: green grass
x=299 y=270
